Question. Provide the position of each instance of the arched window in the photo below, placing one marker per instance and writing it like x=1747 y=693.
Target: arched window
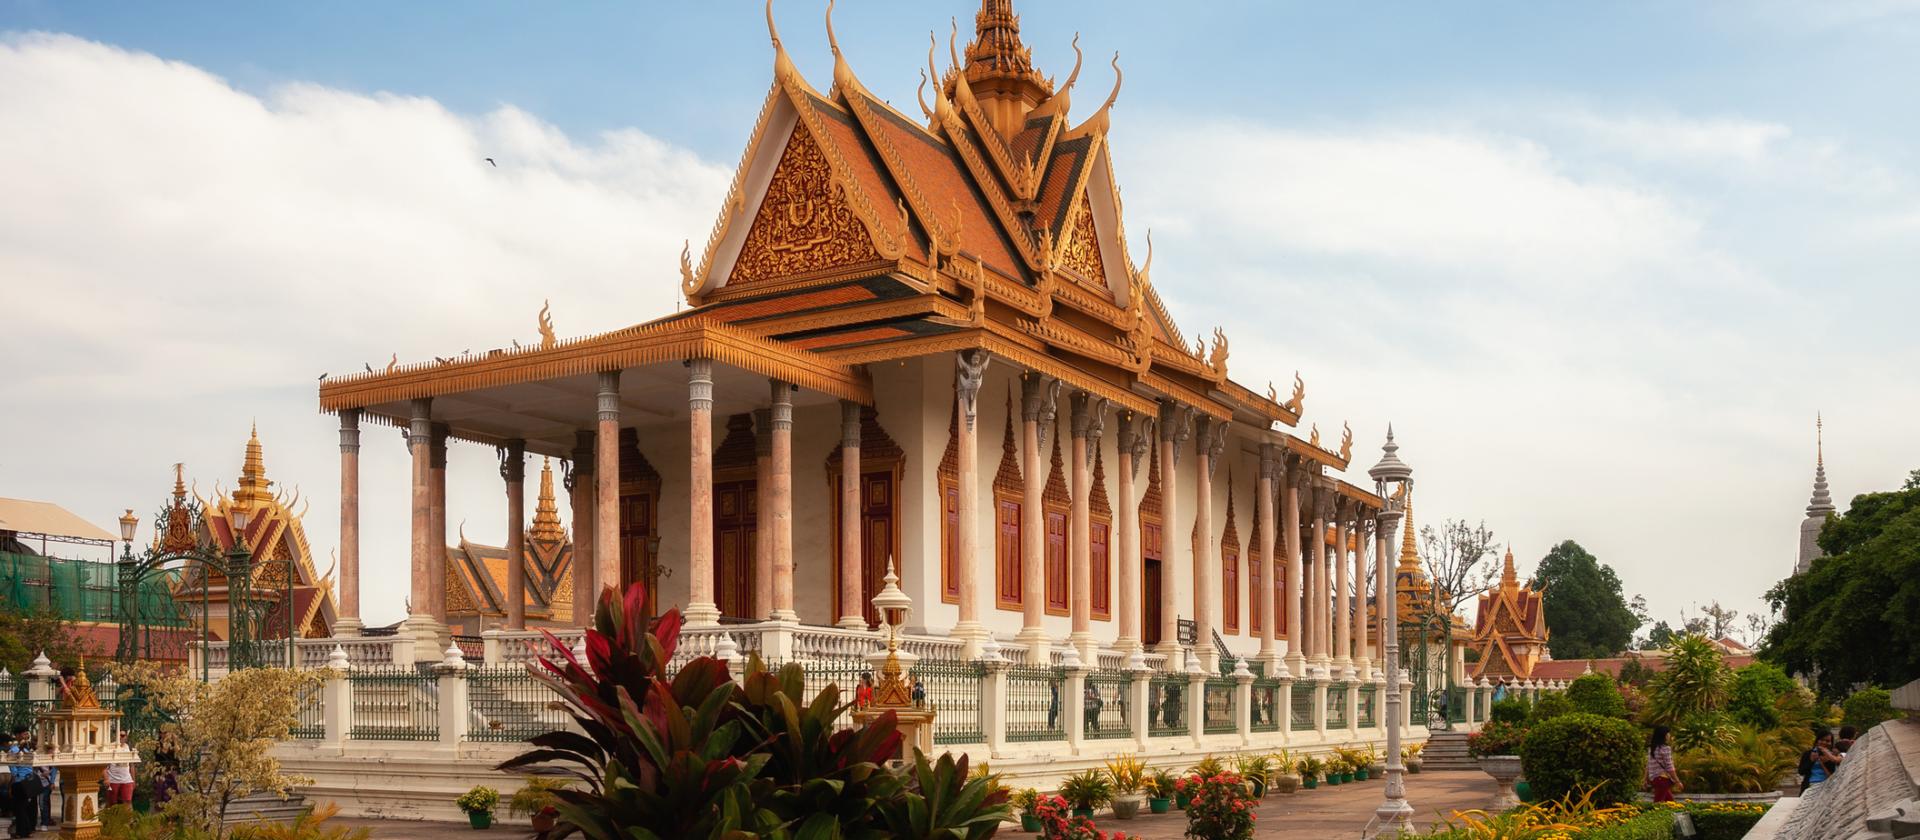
x=1230 y=568
x=1007 y=488
x=1058 y=504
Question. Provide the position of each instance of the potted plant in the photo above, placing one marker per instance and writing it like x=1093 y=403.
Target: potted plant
x=1028 y=801
x=478 y=803
x=1410 y=757
x=1336 y=772
x=1311 y=769
x=1257 y=770
x=1086 y=791
x=1129 y=775
x=1286 y=772
x=534 y=800
x=1497 y=747
x=1160 y=790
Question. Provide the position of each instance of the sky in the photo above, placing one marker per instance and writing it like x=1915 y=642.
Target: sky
x=1598 y=264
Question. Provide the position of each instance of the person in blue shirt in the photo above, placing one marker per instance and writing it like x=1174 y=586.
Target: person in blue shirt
x=26 y=786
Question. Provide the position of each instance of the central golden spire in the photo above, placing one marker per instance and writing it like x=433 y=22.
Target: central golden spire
x=253 y=474
x=1409 y=554
x=1000 y=68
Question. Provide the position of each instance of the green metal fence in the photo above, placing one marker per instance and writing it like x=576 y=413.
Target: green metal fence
x=954 y=688
x=1337 y=706
x=395 y=704
x=1220 y=696
x=1302 y=707
x=17 y=713
x=843 y=675
x=1456 y=704
x=1369 y=706
x=1167 y=705
x=310 y=724
x=1035 y=709
x=509 y=704
x=1266 y=711
x=1106 y=709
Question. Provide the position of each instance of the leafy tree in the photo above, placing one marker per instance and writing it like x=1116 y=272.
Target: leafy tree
x=24 y=634
x=1712 y=621
x=1634 y=672
x=1458 y=559
x=1757 y=689
x=1587 y=616
x=1659 y=637
x=1696 y=681
x=1848 y=619
x=223 y=733
x=1867 y=708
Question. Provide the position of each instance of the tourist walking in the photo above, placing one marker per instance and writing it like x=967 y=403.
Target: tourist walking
x=1661 y=776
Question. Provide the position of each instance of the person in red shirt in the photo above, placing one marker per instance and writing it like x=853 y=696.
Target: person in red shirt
x=863 y=695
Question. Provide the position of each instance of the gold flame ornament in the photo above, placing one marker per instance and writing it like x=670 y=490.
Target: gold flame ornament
x=547 y=339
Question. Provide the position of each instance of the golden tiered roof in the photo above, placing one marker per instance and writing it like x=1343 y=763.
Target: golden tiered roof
x=478 y=574
x=1510 y=630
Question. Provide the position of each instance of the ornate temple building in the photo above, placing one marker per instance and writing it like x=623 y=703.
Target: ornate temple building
x=1510 y=630
x=880 y=292
x=274 y=535
x=477 y=574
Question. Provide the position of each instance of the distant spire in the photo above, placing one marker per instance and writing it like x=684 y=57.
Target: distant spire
x=546 y=514
x=996 y=47
x=1821 y=505
x=1508 y=577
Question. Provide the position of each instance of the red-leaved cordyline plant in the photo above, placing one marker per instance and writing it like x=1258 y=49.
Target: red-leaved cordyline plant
x=698 y=755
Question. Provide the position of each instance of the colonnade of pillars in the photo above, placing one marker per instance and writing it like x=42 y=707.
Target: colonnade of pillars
x=593 y=480
x=1325 y=628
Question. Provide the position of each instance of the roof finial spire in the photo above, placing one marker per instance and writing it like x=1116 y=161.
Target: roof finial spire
x=1821 y=504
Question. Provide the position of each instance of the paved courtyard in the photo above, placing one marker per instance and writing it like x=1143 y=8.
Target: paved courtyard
x=1308 y=815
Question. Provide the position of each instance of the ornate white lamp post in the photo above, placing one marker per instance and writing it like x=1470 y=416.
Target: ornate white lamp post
x=893 y=693
x=1393 y=480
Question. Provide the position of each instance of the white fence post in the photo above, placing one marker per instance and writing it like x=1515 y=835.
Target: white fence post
x=1243 y=700
x=1075 y=703
x=1196 y=700
x=452 y=672
x=336 y=699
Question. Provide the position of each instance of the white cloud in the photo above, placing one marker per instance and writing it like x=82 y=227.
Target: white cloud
x=1571 y=341
x=179 y=257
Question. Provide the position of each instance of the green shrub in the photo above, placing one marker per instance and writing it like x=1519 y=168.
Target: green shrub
x=1596 y=694
x=1510 y=710
x=1867 y=708
x=1549 y=706
x=1757 y=689
x=1703 y=730
x=1752 y=762
x=1724 y=824
x=1497 y=737
x=1652 y=825
x=1570 y=754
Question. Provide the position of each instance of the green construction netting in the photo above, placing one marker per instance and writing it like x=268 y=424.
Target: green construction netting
x=82 y=590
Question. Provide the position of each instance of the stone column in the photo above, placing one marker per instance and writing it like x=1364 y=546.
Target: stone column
x=1318 y=555
x=1209 y=439
x=1131 y=451
x=1074 y=704
x=606 y=484
x=1175 y=427
x=853 y=610
x=1196 y=702
x=702 y=610
x=993 y=704
x=1362 y=653
x=513 y=470
x=780 y=499
x=420 y=571
x=1243 y=701
x=1290 y=481
x=348 y=622
x=1087 y=411
x=580 y=484
x=1382 y=579
x=1263 y=601
x=1139 y=699
x=437 y=524
x=970 y=369
x=1039 y=398
x=763 y=513
x=1342 y=612
x=454 y=706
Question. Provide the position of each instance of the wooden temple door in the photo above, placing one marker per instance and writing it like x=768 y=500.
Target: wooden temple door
x=1150 y=583
x=636 y=532
x=876 y=537
x=735 y=506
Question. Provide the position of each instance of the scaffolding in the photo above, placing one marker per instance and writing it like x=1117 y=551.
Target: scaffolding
x=85 y=590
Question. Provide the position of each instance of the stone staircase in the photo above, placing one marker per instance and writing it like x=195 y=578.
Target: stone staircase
x=266 y=806
x=1447 y=751
x=1872 y=795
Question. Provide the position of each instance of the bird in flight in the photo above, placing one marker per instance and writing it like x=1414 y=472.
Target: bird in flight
x=495 y=165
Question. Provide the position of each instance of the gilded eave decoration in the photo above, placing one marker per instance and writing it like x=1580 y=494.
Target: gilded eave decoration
x=804 y=224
